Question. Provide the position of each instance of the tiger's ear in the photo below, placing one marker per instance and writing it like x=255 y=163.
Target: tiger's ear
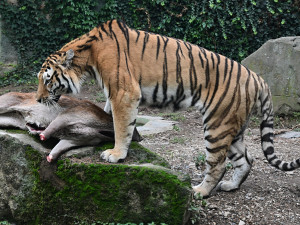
x=69 y=57
x=69 y=54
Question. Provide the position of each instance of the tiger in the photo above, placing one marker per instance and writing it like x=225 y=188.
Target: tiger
x=135 y=67
x=74 y=122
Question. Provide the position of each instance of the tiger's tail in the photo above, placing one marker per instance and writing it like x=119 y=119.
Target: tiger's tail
x=267 y=132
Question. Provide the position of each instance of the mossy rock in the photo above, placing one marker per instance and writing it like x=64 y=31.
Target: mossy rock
x=85 y=190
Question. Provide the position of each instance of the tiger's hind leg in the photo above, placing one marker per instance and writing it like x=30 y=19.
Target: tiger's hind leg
x=216 y=152
x=242 y=163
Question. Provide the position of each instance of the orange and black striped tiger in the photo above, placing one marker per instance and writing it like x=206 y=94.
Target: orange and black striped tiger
x=135 y=67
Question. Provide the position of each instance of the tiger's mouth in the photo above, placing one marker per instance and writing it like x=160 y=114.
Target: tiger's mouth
x=49 y=101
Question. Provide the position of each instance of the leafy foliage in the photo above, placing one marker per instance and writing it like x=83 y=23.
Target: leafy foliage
x=233 y=28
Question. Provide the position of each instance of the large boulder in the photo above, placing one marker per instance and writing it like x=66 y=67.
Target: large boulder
x=277 y=61
x=8 y=54
x=82 y=189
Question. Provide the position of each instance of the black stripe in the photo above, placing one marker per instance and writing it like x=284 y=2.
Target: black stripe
x=216 y=83
x=179 y=97
x=140 y=80
x=247 y=94
x=59 y=84
x=285 y=167
x=157 y=48
x=65 y=79
x=146 y=38
x=109 y=89
x=273 y=158
x=179 y=42
x=193 y=76
x=217 y=149
x=178 y=65
x=201 y=59
x=197 y=95
x=83 y=47
x=265 y=123
x=239 y=166
x=103 y=29
x=246 y=156
x=118 y=61
x=204 y=104
x=264 y=102
x=124 y=30
x=232 y=156
x=154 y=95
x=267 y=137
x=238 y=158
x=180 y=89
x=92 y=38
x=165 y=42
x=269 y=151
x=265 y=111
x=72 y=83
x=100 y=35
x=225 y=69
x=165 y=77
x=278 y=163
x=186 y=45
x=138 y=36
x=110 y=27
x=221 y=136
x=53 y=57
x=256 y=87
x=126 y=60
x=132 y=123
x=212 y=59
x=206 y=70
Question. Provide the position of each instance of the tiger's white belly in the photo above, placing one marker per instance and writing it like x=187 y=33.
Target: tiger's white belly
x=168 y=101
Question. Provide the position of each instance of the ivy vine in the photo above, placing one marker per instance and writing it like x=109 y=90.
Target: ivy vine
x=233 y=28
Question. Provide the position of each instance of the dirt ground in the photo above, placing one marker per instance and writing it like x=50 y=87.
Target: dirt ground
x=268 y=196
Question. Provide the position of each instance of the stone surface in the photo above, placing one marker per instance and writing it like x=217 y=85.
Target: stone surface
x=8 y=54
x=153 y=125
x=277 y=61
x=76 y=190
x=290 y=134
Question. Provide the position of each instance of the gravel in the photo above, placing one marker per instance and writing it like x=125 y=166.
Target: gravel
x=268 y=196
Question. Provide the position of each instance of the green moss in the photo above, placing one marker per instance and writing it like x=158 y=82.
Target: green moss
x=16 y=131
x=138 y=154
x=105 y=192
x=111 y=187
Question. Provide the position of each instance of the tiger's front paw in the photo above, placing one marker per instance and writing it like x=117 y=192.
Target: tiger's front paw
x=113 y=155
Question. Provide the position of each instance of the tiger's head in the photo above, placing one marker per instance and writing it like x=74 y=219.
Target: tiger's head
x=57 y=77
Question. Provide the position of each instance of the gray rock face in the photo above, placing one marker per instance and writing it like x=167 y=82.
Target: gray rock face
x=278 y=62
x=8 y=54
x=14 y=175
